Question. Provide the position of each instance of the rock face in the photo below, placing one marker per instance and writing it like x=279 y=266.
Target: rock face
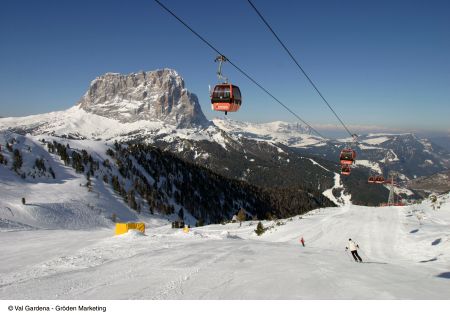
x=152 y=95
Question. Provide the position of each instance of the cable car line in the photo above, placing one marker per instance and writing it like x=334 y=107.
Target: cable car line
x=300 y=67
x=239 y=69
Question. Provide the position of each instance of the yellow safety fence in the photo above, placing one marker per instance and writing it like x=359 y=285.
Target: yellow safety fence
x=122 y=228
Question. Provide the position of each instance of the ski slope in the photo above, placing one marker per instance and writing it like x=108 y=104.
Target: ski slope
x=60 y=245
x=406 y=252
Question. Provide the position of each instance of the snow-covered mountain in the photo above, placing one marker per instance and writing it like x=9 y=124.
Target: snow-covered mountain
x=144 y=96
x=155 y=108
x=406 y=153
x=140 y=104
x=289 y=134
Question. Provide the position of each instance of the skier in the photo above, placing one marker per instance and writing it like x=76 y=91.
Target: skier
x=353 y=249
x=302 y=241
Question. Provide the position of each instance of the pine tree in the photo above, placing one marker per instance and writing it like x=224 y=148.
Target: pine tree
x=200 y=222
x=181 y=214
x=106 y=164
x=17 y=160
x=52 y=172
x=110 y=152
x=116 y=184
x=40 y=164
x=241 y=216
x=260 y=229
x=131 y=200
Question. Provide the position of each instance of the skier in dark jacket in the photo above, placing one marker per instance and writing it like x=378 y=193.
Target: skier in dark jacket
x=353 y=249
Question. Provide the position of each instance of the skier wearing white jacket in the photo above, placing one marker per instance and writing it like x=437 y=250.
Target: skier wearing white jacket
x=353 y=249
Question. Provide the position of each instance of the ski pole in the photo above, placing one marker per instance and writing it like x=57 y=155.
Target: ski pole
x=348 y=255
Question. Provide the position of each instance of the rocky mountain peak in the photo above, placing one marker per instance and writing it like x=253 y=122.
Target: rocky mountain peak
x=150 y=95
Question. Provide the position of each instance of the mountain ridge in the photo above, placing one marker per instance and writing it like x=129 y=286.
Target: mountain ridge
x=147 y=95
x=258 y=153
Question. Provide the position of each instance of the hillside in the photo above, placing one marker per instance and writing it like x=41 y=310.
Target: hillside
x=97 y=183
x=436 y=183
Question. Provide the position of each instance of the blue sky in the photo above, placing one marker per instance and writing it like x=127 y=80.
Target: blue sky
x=384 y=64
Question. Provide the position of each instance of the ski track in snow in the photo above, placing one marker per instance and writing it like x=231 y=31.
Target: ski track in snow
x=344 y=199
x=231 y=262
x=315 y=163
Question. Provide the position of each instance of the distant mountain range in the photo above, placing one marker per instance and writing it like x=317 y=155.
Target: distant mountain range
x=154 y=108
x=436 y=183
x=405 y=153
x=441 y=140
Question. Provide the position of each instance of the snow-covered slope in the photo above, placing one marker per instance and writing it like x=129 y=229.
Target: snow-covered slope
x=405 y=250
x=76 y=123
x=63 y=201
x=288 y=134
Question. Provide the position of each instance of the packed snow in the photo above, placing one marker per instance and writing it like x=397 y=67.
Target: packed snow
x=405 y=252
x=343 y=199
x=377 y=140
x=374 y=166
x=401 y=190
x=366 y=147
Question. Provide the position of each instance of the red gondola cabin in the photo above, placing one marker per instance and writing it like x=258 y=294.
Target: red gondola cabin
x=345 y=169
x=347 y=156
x=226 y=98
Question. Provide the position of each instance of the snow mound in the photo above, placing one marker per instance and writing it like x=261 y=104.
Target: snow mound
x=8 y=226
x=131 y=234
x=206 y=234
x=227 y=234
